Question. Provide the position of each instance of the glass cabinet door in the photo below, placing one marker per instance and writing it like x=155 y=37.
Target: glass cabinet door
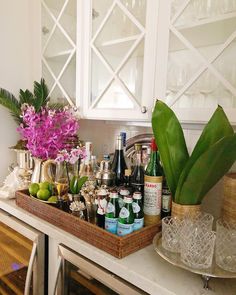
x=201 y=63
x=59 y=21
x=21 y=260
x=78 y=275
x=120 y=58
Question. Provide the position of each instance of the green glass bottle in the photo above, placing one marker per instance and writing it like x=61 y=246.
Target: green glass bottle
x=138 y=211
x=112 y=213
x=153 y=187
x=126 y=218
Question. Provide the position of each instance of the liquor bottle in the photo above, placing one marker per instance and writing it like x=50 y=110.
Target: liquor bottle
x=146 y=157
x=127 y=184
x=94 y=164
x=86 y=166
x=112 y=213
x=118 y=163
x=153 y=187
x=126 y=218
x=165 y=199
x=137 y=176
x=138 y=211
x=101 y=203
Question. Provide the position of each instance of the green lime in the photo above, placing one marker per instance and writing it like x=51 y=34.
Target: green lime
x=53 y=199
x=51 y=188
x=33 y=189
x=43 y=194
x=44 y=185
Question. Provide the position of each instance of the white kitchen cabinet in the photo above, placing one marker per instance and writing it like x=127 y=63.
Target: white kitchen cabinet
x=201 y=64
x=118 y=58
x=113 y=58
x=59 y=48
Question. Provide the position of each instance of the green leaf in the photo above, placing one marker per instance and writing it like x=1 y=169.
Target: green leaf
x=217 y=128
x=208 y=169
x=40 y=94
x=76 y=184
x=171 y=143
x=26 y=97
x=9 y=101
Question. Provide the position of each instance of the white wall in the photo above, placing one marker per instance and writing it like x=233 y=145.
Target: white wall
x=18 y=64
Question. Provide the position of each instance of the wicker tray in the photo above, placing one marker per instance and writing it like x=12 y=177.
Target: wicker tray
x=110 y=243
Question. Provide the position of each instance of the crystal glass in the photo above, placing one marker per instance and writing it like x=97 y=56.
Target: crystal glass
x=197 y=240
x=198 y=248
x=226 y=245
x=200 y=220
x=170 y=233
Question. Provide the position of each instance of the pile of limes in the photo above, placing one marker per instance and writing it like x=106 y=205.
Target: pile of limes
x=43 y=191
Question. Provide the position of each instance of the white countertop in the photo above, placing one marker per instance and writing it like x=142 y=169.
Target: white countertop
x=144 y=269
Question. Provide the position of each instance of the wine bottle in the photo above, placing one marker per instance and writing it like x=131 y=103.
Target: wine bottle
x=165 y=199
x=137 y=176
x=153 y=187
x=118 y=163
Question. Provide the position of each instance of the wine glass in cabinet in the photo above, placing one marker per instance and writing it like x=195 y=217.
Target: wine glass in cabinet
x=201 y=45
x=58 y=24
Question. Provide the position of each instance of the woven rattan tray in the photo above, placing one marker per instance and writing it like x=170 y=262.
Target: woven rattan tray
x=110 y=243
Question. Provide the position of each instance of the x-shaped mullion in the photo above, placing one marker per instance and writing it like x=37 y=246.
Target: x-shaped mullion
x=115 y=73
x=207 y=64
x=57 y=24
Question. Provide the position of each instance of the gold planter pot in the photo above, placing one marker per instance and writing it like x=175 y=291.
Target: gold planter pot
x=229 y=198
x=180 y=211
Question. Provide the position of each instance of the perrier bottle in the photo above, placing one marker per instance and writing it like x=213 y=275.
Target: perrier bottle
x=138 y=211
x=126 y=218
x=112 y=213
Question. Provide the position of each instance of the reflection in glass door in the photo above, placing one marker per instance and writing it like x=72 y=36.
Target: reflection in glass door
x=78 y=275
x=15 y=253
x=21 y=260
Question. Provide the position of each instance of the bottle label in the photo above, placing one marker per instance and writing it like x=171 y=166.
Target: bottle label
x=121 y=202
x=138 y=223
x=166 y=202
x=124 y=213
x=111 y=224
x=124 y=229
x=152 y=195
x=136 y=207
x=110 y=208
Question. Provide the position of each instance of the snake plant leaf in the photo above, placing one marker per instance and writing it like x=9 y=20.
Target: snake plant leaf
x=9 y=101
x=171 y=143
x=207 y=170
x=217 y=128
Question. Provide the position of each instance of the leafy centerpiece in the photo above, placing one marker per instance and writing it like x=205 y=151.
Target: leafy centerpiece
x=191 y=177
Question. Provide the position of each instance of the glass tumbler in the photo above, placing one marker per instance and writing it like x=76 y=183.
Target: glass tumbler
x=197 y=240
x=198 y=248
x=170 y=233
x=226 y=245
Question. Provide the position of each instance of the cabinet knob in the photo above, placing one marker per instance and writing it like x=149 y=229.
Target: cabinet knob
x=143 y=109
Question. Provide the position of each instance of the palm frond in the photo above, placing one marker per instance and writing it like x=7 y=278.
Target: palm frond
x=9 y=101
x=56 y=106
x=26 y=97
x=40 y=94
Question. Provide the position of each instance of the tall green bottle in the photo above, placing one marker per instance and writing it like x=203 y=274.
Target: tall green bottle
x=126 y=218
x=153 y=187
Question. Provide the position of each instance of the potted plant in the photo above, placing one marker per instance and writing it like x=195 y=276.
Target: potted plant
x=190 y=177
